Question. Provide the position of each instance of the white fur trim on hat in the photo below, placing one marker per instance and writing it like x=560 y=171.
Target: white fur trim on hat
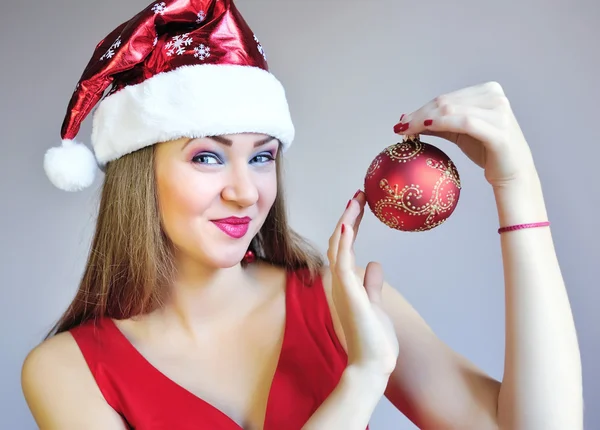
x=191 y=101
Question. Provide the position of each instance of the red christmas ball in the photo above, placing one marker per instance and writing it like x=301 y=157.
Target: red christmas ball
x=412 y=186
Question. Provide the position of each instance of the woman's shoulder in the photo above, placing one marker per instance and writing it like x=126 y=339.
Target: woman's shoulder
x=58 y=353
x=58 y=385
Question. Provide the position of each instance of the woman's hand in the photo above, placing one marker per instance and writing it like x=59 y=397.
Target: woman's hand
x=370 y=337
x=480 y=121
x=371 y=341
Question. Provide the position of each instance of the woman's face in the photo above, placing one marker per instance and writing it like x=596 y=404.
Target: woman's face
x=215 y=193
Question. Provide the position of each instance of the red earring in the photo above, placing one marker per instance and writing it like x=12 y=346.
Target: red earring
x=249 y=257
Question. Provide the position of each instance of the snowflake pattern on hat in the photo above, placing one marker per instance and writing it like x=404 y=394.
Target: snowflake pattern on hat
x=111 y=51
x=260 y=48
x=202 y=52
x=159 y=8
x=177 y=44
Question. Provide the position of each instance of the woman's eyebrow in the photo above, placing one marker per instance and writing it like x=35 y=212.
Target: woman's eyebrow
x=228 y=142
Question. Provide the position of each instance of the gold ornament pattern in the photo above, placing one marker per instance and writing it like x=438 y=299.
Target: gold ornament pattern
x=402 y=152
x=374 y=166
x=407 y=200
x=406 y=151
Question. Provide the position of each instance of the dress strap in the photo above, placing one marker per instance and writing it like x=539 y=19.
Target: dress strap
x=100 y=348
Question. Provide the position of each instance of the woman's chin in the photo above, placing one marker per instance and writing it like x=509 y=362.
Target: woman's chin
x=226 y=264
x=217 y=256
x=226 y=260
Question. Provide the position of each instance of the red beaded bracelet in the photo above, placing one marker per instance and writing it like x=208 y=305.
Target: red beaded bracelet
x=522 y=226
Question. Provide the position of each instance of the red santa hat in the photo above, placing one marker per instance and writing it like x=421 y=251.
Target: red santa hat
x=179 y=68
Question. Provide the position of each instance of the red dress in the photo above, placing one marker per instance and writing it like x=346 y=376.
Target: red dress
x=310 y=365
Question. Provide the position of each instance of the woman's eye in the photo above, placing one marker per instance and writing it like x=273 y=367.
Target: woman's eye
x=205 y=158
x=265 y=157
x=209 y=158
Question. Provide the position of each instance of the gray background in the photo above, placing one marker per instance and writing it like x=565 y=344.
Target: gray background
x=350 y=68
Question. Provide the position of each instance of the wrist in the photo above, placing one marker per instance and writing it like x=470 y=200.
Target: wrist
x=352 y=402
x=366 y=380
x=520 y=202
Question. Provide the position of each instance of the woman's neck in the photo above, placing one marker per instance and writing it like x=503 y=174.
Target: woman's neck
x=202 y=297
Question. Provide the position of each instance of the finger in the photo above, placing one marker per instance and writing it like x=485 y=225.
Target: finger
x=446 y=104
x=345 y=261
x=451 y=137
x=361 y=198
x=486 y=96
x=483 y=101
x=349 y=218
x=345 y=267
x=422 y=118
x=471 y=148
x=484 y=125
x=482 y=91
x=475 y=126
x=373 y=281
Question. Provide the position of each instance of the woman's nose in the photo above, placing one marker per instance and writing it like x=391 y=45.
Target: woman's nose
x=240 y=188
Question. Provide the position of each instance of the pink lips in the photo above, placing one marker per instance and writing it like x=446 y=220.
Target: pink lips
x=233 y=226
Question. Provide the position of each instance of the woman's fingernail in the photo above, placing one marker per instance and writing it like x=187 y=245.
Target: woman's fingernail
x=343 y=228
x=401 y=118
x=400 y=127
x=428 y=122
x=348 y=205
x=356 y=194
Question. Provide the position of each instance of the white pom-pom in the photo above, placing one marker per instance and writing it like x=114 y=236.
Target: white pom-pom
x=71 y=166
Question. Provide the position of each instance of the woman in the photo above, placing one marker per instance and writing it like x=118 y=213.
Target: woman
x=200 y=308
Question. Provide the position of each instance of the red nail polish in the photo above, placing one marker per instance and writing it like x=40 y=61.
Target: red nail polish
x=400 y=127
x=401 y=117
x=343 y=228
x=348 y=205
x=428 y=122
x=356 y=194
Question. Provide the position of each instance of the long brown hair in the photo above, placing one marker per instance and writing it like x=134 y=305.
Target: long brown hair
x=130 y=265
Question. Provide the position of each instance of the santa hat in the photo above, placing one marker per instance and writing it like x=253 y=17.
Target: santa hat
x=179 y=68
